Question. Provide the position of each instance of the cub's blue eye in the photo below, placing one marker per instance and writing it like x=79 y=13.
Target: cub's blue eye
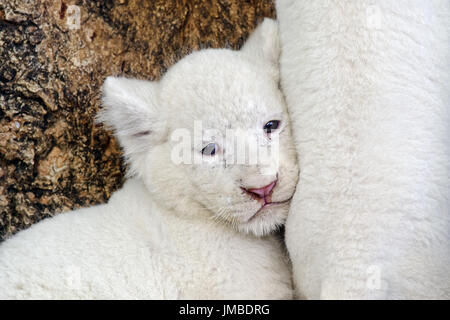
x=210 y=149
x=271 y=126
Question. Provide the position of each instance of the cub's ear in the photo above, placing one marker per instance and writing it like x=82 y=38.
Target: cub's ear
x=264 y=42
x=130 y=108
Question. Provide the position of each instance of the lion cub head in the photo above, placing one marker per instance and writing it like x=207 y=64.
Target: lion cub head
x=212 y=137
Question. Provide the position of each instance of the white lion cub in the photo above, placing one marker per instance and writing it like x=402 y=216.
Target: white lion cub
x=191 y=223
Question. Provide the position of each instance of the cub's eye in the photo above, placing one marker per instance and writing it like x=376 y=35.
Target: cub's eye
x=271 y=126
x=210 y=149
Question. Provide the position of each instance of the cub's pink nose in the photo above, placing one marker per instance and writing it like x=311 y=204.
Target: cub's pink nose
x=264 y=191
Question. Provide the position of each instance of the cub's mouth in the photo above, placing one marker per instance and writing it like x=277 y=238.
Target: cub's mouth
x=267 y=205
x=264 y=197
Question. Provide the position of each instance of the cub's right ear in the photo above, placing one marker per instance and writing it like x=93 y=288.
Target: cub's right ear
x=264 y=43
x=130 y=108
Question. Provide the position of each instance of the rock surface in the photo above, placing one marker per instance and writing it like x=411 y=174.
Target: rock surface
x=54 y=57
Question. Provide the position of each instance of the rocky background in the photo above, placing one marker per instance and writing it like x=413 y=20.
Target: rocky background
x=54 y=56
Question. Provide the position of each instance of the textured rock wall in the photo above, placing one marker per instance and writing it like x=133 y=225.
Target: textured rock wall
x=54 y=56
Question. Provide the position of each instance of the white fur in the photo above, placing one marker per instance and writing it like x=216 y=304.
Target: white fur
x=173 y=231
x=368 y=90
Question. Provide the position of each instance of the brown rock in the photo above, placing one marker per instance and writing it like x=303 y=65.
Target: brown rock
x=54 y=57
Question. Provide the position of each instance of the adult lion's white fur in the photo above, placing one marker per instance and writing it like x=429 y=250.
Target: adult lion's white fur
x=174 y=230
x=368 y=91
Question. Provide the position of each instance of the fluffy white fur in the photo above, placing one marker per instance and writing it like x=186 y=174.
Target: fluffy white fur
x=368 y=90
x=182 y=231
